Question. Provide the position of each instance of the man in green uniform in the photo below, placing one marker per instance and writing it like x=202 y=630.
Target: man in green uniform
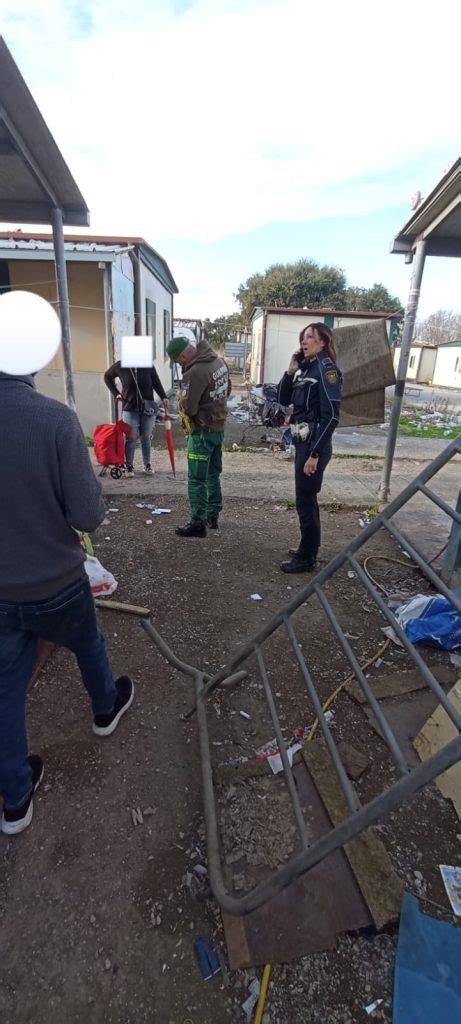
x=203 y=396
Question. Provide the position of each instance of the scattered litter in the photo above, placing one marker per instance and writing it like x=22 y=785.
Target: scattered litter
x=250 y=1003
x=112 y=510
x=208 y=961
x=373 y=1006
x=148 y=522
x=245 y=714
x=302 y=734
x=455 y=659
x=351 y=574
x=137 y=817
x=451 y=878
x=275 y=759
x=377 y=663
x=361 y=523
x=256 y=597
x=431 y=620
x=101 y=580
x=390 y=633
x=154 y=511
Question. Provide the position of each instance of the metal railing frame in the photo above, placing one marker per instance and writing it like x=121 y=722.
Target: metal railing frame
x=411 y=780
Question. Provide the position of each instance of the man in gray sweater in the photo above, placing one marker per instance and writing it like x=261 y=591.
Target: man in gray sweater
x=48 y=491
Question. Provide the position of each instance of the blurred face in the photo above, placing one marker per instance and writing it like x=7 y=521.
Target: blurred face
x=312 y=343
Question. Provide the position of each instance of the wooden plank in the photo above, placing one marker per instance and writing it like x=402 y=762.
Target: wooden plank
x=435 y=734
x=398 y=684
x=375 y=876
x=306 y=917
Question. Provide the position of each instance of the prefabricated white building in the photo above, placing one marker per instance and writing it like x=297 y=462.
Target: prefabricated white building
x=117 y=285
x=275 y=334
x=421 y=362
x=447 y=372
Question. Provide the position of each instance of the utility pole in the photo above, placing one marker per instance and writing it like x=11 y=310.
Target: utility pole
x=63 y=297
x=407 y=338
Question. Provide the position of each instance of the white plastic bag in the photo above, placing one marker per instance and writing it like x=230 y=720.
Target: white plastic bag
x=103 y=583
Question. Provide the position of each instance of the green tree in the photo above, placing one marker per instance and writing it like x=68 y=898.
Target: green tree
x=376 y=299
x=306 y=283
x=223 y=329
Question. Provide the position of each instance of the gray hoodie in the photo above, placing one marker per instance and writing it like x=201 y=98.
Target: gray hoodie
x=47 y=491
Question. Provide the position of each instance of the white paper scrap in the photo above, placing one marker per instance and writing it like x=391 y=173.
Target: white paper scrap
x=373 y=1006
x=451 y=878
x=275 y=760
x=256 y=597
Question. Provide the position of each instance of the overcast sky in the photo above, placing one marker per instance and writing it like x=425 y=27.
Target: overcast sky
x=232 y=134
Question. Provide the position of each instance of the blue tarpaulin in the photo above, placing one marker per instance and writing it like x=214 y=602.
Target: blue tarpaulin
x=427 y=984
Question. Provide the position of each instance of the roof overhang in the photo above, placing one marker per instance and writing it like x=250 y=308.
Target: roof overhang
x=34 y=177
x=437 y=220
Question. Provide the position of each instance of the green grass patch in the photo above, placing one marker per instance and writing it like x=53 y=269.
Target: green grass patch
x=409 y=429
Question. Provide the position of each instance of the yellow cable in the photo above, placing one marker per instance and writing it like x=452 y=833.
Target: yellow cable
x=262 y=994
x=384 y=558
x=341 y=686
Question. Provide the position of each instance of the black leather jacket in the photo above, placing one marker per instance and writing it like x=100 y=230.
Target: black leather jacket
x=315 y=393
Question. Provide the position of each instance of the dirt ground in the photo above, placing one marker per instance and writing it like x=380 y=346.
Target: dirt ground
x=99 y=915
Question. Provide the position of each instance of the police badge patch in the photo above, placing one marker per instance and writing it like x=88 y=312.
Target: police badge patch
x=332 y=376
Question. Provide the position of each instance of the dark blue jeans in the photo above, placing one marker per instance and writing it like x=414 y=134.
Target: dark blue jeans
x=67 y=619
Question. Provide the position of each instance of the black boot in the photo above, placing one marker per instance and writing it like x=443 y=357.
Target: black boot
x=191 y=530
x=212 y=522
x=299 y=564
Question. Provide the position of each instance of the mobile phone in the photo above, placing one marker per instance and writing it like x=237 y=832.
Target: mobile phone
x=299 y=356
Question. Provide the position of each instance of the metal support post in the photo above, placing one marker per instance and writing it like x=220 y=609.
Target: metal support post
x=63 y=297
x=407 y=338
x=451 y=568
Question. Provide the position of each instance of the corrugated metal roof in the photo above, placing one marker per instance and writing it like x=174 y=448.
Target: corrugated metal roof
x=19 y=241
x=304 y=310
x=34 y=176
x=437 y=219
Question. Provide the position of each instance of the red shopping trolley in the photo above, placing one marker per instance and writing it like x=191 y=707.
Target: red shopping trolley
x=109 y=447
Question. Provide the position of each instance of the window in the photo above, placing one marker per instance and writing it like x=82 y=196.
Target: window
x=166 y=330
x=151 y=325
x=412 y=362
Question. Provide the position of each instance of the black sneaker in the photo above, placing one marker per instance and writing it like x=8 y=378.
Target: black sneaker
x=191 y=530
x=212 y=522
x=299 y=565
x=16 y=821
x=148 y=469
x=104 y=725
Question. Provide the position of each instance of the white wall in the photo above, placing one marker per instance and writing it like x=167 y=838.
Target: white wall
x=445 y=374
x=256 y=341
x=153 y=289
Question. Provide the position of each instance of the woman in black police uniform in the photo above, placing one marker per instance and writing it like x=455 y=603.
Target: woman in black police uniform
x=312 y=385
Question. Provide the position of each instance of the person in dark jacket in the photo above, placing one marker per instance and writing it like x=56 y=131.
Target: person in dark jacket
x=205 y=387
x=139 y=410
x=48 y=492
x=312 y=385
